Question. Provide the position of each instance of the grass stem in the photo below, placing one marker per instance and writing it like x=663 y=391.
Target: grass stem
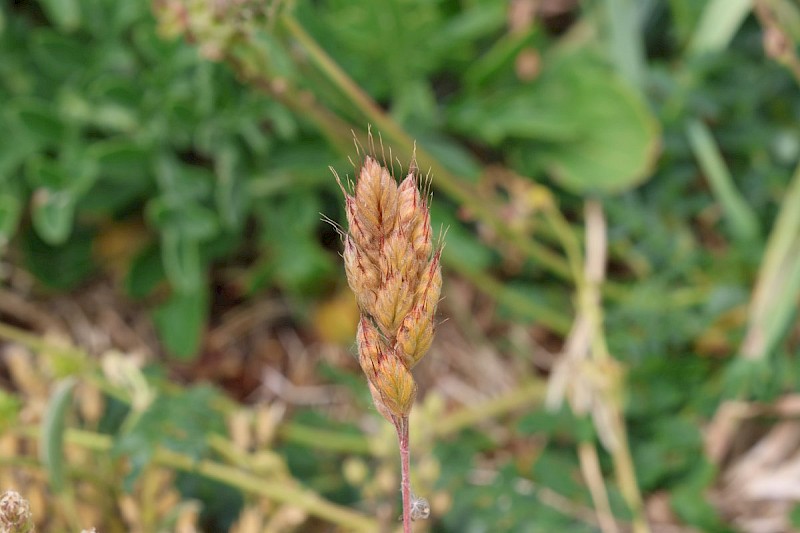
x=405 y=471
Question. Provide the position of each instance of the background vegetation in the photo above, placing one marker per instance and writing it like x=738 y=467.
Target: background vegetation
x=177 y=333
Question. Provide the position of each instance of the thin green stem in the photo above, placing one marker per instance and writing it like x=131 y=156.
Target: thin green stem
x=524 y=396
x=740 y=216
x=320 y=438
x=448 y=182
x=36 y=343
x=282 y=491
x=279 y=491
x=569 y=241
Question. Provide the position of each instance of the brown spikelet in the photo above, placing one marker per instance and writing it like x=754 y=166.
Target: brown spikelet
x=395 y=273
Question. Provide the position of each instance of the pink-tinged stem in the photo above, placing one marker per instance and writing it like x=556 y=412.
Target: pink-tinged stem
x=401 y=425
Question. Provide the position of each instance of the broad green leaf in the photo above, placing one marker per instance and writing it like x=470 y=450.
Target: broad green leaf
x=589 y=128
x=617 y=139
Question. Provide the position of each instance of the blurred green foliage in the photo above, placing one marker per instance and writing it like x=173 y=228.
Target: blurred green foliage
x=110 y=124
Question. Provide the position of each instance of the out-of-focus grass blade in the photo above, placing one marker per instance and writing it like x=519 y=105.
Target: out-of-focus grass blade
x=718 y=24
x=777 y=289
x=51 y=447
x=627 y=43
x=740 y=216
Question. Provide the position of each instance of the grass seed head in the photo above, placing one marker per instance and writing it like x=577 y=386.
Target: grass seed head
x=395 y=273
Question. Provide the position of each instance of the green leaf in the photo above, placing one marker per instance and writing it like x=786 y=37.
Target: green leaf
x=301 y=266
x=181 y=422
x=690 y=503
x=64 y=14
x=59 y=56
x=10 y=211
x=190 y=220
x=685 y=14
x=39 y=121
x=560 y=424
x=145 y=273
x=297 y=261
x=617 y=138
x=10 y=407
x=51 y=442
x=181 y=183
x=63 y=266
x=230 y=194
x=720 y=21
x=120 y=160
x=53 y=213
x=182 y=262
x=740 y=216
x=181 y=321
x=462 y=245
x=593 y=132
x=794 y=516
x=750 y=378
